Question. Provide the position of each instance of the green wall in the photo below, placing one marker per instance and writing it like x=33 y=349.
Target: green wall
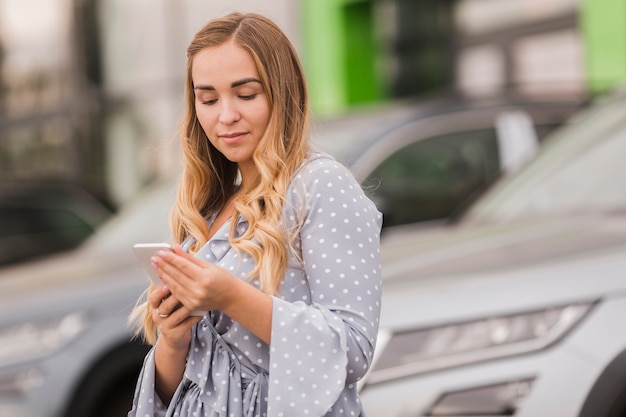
x=603 y=26
x=340 y=54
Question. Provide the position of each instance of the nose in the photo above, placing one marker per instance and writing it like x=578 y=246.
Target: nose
x=229 y=112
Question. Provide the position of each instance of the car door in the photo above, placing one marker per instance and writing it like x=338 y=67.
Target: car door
x=433 y=178
x=433 y=168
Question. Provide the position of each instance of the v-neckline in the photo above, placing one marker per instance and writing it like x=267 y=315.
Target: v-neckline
x=215 y=227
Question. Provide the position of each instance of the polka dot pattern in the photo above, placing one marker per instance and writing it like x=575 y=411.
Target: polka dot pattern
x=324 y=322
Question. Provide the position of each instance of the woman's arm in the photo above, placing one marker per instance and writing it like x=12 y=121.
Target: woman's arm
x=250 y=307
x=324 y=333
x=171 y=350
x=169 y=370
x=340 y=240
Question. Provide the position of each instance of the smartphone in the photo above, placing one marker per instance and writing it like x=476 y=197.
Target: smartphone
x=145 y=251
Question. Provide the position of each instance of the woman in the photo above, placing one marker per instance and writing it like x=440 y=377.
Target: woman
x=277 y=243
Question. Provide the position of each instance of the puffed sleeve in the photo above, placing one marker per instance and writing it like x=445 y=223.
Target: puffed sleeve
x=319 y=349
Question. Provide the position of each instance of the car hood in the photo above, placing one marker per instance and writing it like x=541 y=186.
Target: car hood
x=71 y=279
x=102 y=273
x=462 y=272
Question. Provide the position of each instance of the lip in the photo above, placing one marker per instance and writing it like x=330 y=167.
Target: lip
x=232 y=137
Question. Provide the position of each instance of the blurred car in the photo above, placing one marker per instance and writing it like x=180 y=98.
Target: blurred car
x=517 y=309
x=65 y=347
x=42 y=217
x=424 y=160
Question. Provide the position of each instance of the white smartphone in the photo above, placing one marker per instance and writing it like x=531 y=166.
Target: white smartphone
x=145 y=251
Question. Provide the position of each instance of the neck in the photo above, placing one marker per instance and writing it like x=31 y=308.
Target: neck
x=249 y=174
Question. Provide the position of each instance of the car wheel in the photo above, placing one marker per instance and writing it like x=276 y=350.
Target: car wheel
x=607 y=398
x=107 y=389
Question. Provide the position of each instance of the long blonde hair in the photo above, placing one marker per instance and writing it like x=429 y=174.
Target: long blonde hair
x=209 y=179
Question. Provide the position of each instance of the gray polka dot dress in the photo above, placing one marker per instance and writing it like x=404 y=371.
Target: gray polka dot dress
x=324 y=322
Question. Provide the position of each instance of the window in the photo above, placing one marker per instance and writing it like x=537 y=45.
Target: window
x=434 y=178
x=29 y=232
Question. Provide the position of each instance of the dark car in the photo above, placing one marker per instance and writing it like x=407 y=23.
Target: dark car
x=42 y=217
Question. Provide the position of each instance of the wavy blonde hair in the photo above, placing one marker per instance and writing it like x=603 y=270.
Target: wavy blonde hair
x=209 y=179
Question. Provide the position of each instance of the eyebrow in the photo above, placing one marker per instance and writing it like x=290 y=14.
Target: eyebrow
x=234 y=84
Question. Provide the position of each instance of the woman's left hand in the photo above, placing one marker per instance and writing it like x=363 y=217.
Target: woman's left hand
x=197 y=284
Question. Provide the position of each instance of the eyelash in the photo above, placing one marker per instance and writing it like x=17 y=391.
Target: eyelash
x=245 y=98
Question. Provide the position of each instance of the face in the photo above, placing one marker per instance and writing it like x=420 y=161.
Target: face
x=230 y=101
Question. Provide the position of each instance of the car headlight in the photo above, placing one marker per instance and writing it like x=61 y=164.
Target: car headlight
x=17 y=384
x=502 y=399
x=28 y=340
x=424 y=350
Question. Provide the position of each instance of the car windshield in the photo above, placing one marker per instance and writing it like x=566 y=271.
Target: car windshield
x=347 y=136
x=579 y=171
x=139 y=221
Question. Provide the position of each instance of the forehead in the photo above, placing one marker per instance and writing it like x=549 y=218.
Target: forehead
x=227 y=62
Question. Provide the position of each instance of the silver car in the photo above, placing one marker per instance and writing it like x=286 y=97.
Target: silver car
x=65 y=348
x=517 y=308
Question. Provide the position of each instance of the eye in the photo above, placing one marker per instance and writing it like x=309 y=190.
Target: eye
x=248 y=97
x=209 y=102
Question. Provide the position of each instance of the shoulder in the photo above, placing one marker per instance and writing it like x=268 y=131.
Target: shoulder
x=321 y=176
x=325 y=187
x=322 y=166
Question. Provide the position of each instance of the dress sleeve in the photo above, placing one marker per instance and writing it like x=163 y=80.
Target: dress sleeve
x=319 y=349
x=146 y=402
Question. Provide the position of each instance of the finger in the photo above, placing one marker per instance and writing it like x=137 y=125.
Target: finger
x=176 y=271
x=181 y=316
x=178 y=284
x=177 y=334
x=178 y=250
x=157 y=295
x=184 y=277
x=168 y=305
x=169 y=308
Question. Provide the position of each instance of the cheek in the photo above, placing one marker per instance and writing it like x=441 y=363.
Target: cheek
x=262 y=114
x=205 y=118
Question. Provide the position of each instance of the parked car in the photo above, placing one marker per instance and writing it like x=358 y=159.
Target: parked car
x=65 y=347
x=42 y=217
x=424 y=160
x=517 y=308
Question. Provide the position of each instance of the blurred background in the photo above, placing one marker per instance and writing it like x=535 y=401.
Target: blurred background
x=91 y=97
x=91 y=90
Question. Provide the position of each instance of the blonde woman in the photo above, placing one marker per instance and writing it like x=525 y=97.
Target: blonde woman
x=278 y=244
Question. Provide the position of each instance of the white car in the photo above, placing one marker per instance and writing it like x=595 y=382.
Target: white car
x=518 y=309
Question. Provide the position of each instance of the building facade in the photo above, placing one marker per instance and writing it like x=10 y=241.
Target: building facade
x=91 y=90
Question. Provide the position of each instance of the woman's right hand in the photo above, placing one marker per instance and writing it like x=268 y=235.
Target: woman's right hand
x=172 y=318
x=174 y=322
